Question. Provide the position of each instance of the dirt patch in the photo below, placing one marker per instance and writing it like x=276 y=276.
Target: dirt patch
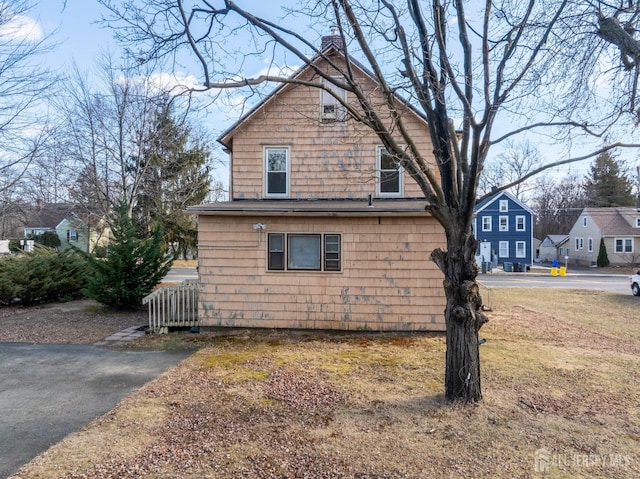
x=560 y=391
x=75 y=322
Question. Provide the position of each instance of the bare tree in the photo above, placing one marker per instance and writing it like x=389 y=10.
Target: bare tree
x=514 y=162
x=558 y=204
x=103 y=134
x=23 y=84
x=478 y=67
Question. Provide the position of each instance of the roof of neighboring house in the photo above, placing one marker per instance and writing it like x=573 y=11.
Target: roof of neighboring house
x=555 y=240
x=377 y=207
x=614 y=221
x=329 y=49
x=48 y=215
x=487 y=201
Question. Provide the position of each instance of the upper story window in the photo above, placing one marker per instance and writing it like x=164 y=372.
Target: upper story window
x=389 y=174
x=504 y=223
x=72 y=235
x=637 y=222
x=486 y=223
x=584 y=221
x=330 y=107
x=504 y=206
x=520 y=223
x=276 y=161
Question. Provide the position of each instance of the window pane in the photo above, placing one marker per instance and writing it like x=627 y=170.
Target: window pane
x=332 y=253
x=387 y=162
x=277 y=159
x=277 y=183
x=276 y=251
x=389 y=182
x=303 y=252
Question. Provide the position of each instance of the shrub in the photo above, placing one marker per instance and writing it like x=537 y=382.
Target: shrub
x=42 y=275
x=603 y=258
x=133 y=266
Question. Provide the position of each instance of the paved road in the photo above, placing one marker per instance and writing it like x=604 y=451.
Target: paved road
x=50 y=390
x=615 y=283
x=177 y=275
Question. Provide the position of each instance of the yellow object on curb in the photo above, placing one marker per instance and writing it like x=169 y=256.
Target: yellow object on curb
x=554 y=271
x=563 y=270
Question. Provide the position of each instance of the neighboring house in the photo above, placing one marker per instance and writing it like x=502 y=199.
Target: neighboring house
x=323 y=230
x=554 y=248
x=73 y=227
x=620 y=228
x=504 y=227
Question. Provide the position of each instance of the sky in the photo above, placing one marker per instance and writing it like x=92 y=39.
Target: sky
x=75 y=31
x=79 y=38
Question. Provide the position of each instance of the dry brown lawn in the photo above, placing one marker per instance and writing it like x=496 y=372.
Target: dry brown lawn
x=561 y=372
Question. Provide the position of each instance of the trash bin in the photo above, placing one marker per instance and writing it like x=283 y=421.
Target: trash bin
x=554 y=263
x=508 y=267
x=516 y=268
x=563 y=271
x=554 y=271
x=484 y=266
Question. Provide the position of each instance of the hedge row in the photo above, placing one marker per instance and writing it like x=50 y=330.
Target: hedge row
x=41 y=276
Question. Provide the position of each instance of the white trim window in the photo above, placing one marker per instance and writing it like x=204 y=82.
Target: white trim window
x=521 y=249
x=504 y=206
x=521 y=224
x=503 y=249
x=276 y=167
x=579 y=243
x=623 y=245
x=503 y=223
x=590 y=245
x=304 y=252
x=637 y=222
x=584 y=221
x=389 y=172
x=486 y=223
x=331 y=110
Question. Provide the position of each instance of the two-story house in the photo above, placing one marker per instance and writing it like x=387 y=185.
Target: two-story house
x=620 y=229
x=504 y=227
x=323 y=229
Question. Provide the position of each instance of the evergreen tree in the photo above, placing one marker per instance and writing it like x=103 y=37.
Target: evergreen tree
x=603 y=258
x=177 y=176
x=607 y=185
x=133 y=265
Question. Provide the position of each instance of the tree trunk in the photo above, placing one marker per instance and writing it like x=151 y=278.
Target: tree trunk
x=463 y=316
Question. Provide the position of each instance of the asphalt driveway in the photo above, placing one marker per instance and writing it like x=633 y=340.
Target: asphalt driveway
x=50 y=390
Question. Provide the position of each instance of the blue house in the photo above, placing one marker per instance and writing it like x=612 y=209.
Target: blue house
x=504 y=227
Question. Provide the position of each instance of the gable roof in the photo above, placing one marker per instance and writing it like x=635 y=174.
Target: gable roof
x=555 y=240
x=486 y=202
x=331 y=48
x=614 y=221
x=48 y=215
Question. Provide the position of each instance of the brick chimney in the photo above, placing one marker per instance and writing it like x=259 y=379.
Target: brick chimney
x=334 y=40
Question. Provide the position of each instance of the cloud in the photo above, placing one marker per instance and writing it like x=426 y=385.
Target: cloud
x=164 y=82
x=21 y=28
